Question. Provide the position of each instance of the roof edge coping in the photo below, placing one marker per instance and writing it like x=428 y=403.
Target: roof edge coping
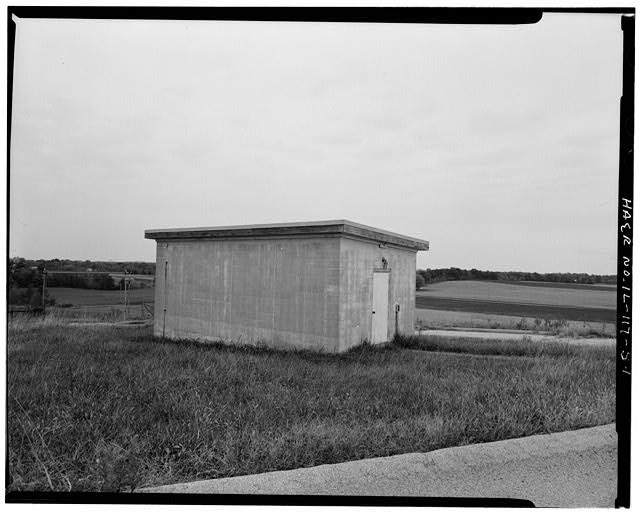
x=311 y=228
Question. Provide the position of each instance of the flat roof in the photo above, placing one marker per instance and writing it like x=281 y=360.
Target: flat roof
x=309 y=229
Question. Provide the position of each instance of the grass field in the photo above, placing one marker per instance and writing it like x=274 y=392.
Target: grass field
x=104 y=408
x=515 y=299
x=89 y=297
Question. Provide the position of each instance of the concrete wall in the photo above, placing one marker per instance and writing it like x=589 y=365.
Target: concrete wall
x=283 y=292
x=358 y=259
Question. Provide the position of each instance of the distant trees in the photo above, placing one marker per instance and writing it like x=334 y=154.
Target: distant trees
x=100 y=281
x=56 y=264
x=24 y=281
x=22 y=275
x=419 y=281
x=454 y=273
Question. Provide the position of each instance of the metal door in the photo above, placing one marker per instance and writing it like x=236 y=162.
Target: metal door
x=380 y=314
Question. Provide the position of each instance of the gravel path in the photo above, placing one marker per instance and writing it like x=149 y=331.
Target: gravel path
x=504 y=335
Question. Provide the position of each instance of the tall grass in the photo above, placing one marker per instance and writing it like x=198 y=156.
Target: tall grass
x=99 y=408
x=523 y=347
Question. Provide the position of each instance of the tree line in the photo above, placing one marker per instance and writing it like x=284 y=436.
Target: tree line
x=25 y=277
x=426 y=276
x=98 y=266
x=99 y=281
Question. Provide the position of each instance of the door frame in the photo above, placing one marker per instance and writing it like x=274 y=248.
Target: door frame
x=373 y=312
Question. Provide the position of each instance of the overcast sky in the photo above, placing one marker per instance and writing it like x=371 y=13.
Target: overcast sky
x=498 y=144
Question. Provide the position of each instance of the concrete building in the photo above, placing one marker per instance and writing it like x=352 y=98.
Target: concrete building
x=325 y=285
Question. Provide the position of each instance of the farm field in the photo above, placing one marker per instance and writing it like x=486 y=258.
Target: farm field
x=90 y=297
x=111 y=409
x=525 y=294
x=432 y=318
x=561 y=285
x=514 y=299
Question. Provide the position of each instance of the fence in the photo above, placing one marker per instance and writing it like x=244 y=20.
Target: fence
x=20 y=310
x=115 y=313
x=102 y=313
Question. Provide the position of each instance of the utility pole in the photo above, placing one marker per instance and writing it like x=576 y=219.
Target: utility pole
x=44 y=288
x=125 y=295
x=120 y=286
